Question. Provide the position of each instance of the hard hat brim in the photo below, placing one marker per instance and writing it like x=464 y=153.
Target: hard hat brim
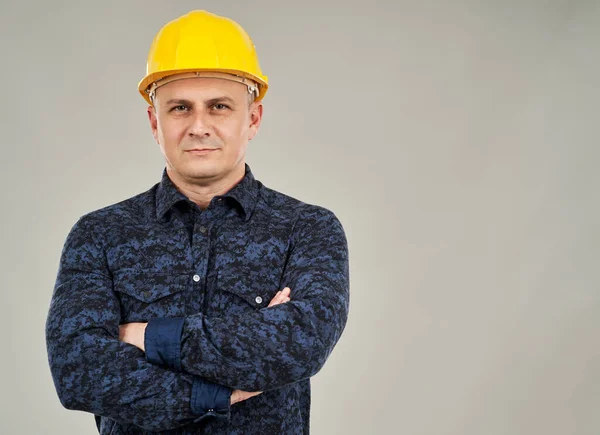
x=145 y=83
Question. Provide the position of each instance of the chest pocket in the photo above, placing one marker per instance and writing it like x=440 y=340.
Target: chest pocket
x=242 y=290
x=148 y=294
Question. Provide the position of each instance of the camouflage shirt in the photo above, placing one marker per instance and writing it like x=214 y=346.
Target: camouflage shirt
x=202 y=279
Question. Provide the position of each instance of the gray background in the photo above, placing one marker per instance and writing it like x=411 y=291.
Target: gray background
x=456 y=141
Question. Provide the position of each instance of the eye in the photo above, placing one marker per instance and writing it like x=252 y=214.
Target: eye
x=181 y=108
x=221 y=106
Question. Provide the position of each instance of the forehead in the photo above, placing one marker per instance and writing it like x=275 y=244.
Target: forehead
x=202 y=88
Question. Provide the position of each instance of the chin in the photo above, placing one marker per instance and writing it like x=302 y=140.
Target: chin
x=202 y=170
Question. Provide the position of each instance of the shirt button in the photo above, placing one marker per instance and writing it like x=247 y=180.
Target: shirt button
x=202 y=229
x=196 y=278
x=258 y=299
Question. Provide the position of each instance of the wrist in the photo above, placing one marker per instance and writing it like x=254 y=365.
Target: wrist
x=142 y=336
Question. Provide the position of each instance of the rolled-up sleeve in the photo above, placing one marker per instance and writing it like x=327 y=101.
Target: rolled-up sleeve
x=93 y=370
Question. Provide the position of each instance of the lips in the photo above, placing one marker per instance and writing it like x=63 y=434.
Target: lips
x=201 y=152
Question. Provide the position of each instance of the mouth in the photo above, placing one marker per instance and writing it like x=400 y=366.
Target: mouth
x=201 y=150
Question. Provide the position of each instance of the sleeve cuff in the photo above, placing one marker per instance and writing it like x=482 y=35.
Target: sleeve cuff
x=209 y=398
x=162 y=342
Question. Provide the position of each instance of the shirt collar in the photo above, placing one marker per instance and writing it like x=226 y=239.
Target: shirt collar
x=245 y=193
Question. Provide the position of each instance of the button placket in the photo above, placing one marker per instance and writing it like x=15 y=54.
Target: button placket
x=200 y=253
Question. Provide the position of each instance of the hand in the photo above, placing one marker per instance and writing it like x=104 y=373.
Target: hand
x=133 y=333
x=240 y=396
x=281 y=297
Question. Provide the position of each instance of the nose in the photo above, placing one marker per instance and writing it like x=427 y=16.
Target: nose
x=200 y=126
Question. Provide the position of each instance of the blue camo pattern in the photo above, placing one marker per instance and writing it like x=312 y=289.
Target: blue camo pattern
x=157 y=255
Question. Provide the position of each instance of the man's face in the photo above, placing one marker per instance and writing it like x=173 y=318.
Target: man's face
x=204 y=113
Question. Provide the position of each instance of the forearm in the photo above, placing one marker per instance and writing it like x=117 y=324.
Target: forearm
x=264 y=350
x=119 y=387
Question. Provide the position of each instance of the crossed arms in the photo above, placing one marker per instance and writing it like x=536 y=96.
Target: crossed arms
x=196 y=357
x=135 y=334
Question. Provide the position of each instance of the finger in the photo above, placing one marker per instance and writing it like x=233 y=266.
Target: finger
x=280 y=297
x=275 y=299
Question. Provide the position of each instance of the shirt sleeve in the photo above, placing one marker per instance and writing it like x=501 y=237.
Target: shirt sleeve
x=94 y=371
x=277 y=345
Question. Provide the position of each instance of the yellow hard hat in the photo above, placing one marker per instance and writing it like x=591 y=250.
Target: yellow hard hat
x=202 y=44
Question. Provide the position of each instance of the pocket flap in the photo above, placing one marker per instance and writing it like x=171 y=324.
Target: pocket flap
x=248 y=285
x=148 y=286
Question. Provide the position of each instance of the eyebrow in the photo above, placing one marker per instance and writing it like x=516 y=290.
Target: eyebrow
x=208 y=102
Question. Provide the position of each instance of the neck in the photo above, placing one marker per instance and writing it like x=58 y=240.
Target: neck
x=203 y=193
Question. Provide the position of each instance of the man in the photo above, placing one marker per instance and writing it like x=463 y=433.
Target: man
x=172 y=309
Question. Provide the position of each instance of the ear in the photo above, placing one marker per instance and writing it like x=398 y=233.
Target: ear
x=256 y=112
x=153 y=122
